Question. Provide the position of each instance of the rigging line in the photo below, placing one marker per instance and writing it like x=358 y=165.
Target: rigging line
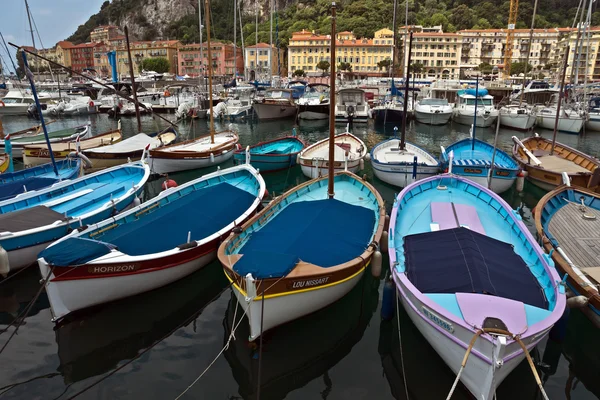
x=13 y=385
x=400 y=345
x=187 y=321
x=260 y=346
x=29 y=307
x=13 y=275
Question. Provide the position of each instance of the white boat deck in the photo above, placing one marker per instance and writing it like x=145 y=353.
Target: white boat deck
x=390 y=153
x=204 y=144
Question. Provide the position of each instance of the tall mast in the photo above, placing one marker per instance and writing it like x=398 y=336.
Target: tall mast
x=30 y=27
x=331 y=159
x=208 y=50
x=256 y=40
x=474 y=126
x=235 y=40
x=560 y=97
x=394 y=28
x=200 y=75
x=271 y=43
x=535 y=3
x=405 y=113
x=242 y=36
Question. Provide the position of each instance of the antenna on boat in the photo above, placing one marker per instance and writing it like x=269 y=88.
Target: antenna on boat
x=208 y=50
x=561 y=95
x=475 y=113
x=331 y=159
x=39 y=109
x=405 y=113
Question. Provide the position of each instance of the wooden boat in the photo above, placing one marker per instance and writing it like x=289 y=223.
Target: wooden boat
x=472 y=158
x=472 y=278
x=349 y=152
x=276 y=104
x=37 y=154
x=545 y=170
x=345 y=322
x=33 y=220
x=274 y=155
x=295 y=257
x=63 y=135
x=193 y=154
x=151 y=245
x=128 y=149
x=568 y=222
x=4 y=162
x=39 y=177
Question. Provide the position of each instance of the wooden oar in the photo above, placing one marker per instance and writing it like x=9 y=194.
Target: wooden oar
x=526 y=150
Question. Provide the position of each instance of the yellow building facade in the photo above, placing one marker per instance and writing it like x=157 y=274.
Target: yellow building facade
x=257 y=59
x=147 y=49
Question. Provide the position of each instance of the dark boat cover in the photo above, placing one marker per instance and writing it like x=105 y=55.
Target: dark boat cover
x=75 y=251
x=11 y=189
x=463 y=261
x=28 y=218
x=322 y=232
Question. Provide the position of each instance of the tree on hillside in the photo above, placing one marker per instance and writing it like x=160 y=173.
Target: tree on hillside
x=323 y=65
x=156 y=64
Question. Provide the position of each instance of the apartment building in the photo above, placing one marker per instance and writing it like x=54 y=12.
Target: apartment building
x=104 y=33
x=190 y=63
x=587 y=49
x=63 y=52
x=438 y=53
x=82 y=56
x=101 y=64
x=257 y=59
x=147 y=49
x=306 y=49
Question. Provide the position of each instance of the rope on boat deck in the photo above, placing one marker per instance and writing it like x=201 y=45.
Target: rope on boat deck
x=516 y=338
x=27 y=310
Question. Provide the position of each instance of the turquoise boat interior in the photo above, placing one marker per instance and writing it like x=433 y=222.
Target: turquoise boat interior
x=82 y=195
x=200 y=209
x=283 y=146
x=307 y=226
x=465 y=154
x=452 y=238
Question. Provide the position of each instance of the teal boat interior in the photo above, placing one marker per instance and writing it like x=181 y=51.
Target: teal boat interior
x=465 y=240
x=307 y=226
x=478 y=155
x=283 y=146
x=200 y=209
x=83 y=195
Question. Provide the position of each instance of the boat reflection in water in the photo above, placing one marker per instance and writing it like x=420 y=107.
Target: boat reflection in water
x=427 y=375
x=16 y=294
x=297 y=352
x=96 y=342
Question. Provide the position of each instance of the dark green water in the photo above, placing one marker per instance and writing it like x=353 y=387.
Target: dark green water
x=342 y=352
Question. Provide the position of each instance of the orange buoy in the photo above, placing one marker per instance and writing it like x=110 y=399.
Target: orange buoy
x=168 y=183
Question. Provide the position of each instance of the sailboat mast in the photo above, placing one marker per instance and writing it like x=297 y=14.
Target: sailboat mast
x=331 y=158
x=30 y=27
x=209 y=54
x=256 y=40
x=474 y=127
x=395 y=29
x=271 y=43
x=560 y=97
x=535 y=3
x=407 y=79
x=235 y=40
x=200 y=75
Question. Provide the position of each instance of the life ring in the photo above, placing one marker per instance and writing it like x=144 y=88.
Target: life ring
x=166 y=93
x=91 y=104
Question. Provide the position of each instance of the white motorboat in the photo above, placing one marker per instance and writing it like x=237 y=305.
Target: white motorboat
x=464 y=109
x=314 y=103
x=569 y=120
x=433 y=111
x=276 y=104
x=520 y=117
x=351 y=106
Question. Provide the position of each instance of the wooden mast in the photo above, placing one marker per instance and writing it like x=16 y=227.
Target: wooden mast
x=331 y=159
x=135 y=102
x=560 y=98
x=209 y=55
x=407 y=79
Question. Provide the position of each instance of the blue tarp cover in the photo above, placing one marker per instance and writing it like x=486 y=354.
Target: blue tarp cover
x=463 y=261
x=75 y=251
x=11 y=189
x=322 y=232
x=202 y=213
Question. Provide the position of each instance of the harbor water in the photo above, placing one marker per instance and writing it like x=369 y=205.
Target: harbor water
x=155 y=345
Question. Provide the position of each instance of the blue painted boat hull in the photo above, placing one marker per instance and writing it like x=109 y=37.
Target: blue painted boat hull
x=274 y=155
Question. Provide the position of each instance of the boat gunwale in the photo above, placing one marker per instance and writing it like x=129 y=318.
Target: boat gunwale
x=243 y=150
x=161 y=153
x=374 y=160
x=326 y=141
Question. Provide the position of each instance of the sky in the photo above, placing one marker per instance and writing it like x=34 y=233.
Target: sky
x=55 y=19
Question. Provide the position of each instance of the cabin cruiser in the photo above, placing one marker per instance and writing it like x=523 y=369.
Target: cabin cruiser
x=520 y=117
x=593 y=122
x=433 y=111
x=467 y=104
x=351 y=106
x=277 y=104
x=314 y=103
x=17 y=102
x=570 y=120
x=239 y=102
x=298 y=88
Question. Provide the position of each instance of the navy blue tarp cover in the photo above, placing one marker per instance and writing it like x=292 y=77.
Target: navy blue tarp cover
x=75 y=251
x=463 y=261
x=322 y=232
x=11 y=189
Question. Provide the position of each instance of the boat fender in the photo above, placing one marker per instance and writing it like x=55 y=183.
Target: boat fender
x=212 y=158
x=188 y=245
x=91 y=104
x=4 y=265
x=298 y=158
x=266 y=194
x=520 y=182
x=2 y=104
x=361 y=164
x=577 y=302
x=368 y=156
x=388 y=300
x=136 y=202
x=376 y=262
x=384 y=241
x=87 y=163
x=238 y=146
x=386 y=225
x=168 y=183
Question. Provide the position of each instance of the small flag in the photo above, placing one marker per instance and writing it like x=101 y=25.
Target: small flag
x=148 y=147
x=7 y=137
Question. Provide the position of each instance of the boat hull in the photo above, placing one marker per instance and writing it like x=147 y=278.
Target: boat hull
x=522 y=122
x=320 y=168
x=433 y=118
x=402 y=176
x=567 y=125
x=481 y=121
x=361 y=119
x=387 y=115
x=498 y=184
x=274 y=111
x=311 y=114
x=282 y=309
x=593 y=123
x=167 y=165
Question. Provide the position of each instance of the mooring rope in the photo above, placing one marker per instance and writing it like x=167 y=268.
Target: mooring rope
x=260 y=345
x=400 y=345
x=517 y=339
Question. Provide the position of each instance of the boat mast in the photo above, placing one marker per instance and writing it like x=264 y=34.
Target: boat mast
x=331 y=158
x=560 y=97
x=235 y=40
x=475 y=113
x=239 y=10
x=201 y=74
x=271 y=49
x=208 y=53
x=30 y=27
x=407 y=79
x=256 y=40
x=535 y=3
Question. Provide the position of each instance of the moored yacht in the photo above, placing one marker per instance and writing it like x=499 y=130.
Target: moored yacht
x=351 y=106
x=467 y=105
x=433 y=111
x=314 y=103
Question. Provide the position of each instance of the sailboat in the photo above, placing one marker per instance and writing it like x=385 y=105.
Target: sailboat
x=400 y=163
x=472 y=278
x=281 y=263
x=204 y=151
